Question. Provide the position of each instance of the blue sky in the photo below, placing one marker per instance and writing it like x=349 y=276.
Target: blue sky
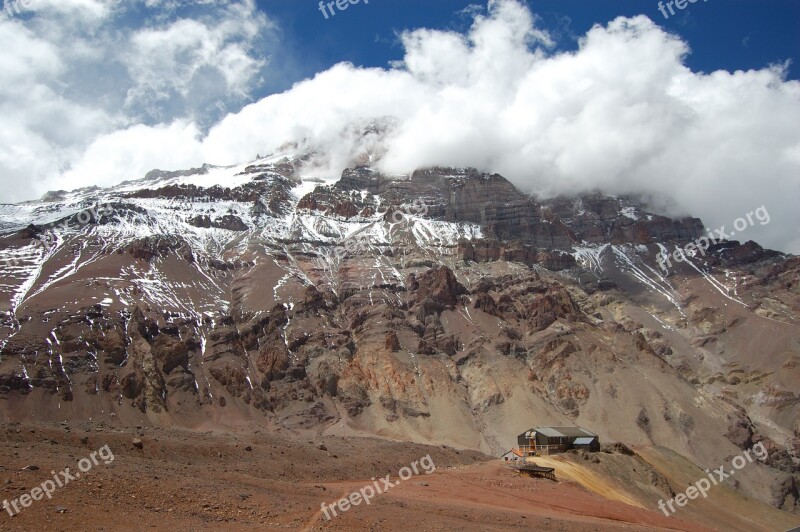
x=723 y=34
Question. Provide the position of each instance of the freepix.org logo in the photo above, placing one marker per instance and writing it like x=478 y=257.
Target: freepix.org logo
x=369 y=491
x=680 y=4
x=700 y=245
x=341 y=5
x=15 y=7
x=59 y=480
x=715 y=477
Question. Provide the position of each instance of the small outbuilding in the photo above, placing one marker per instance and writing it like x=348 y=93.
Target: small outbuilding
x=512 y=456
x=587 y=444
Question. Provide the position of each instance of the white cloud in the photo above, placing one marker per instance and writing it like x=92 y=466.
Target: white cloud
x=26 y=59
x=196 y=59
x=622 y=114
x=84 y=74
x=176 y=143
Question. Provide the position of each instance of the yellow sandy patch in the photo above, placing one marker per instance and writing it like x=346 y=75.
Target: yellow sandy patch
x=587 y=479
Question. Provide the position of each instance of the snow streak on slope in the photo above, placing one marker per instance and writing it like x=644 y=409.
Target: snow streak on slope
x=629 y=260
x=718 y=286
x=19 y=269
x=589 y=257
x=130 y=216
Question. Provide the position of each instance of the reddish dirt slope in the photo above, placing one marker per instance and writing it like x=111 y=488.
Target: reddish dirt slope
x=207 y=481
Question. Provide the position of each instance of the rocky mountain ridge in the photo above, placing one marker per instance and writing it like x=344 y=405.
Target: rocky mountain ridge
x=444 y=307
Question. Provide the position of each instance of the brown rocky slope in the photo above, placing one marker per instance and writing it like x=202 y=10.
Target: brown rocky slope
x=463 y=322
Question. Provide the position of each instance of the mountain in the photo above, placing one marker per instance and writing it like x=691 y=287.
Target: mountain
x=441 y=307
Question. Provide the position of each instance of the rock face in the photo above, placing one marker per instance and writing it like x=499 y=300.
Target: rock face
x=598 y=218
x=507 y=215
x=490 y=250
x=436 y=307
x=439 y=285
